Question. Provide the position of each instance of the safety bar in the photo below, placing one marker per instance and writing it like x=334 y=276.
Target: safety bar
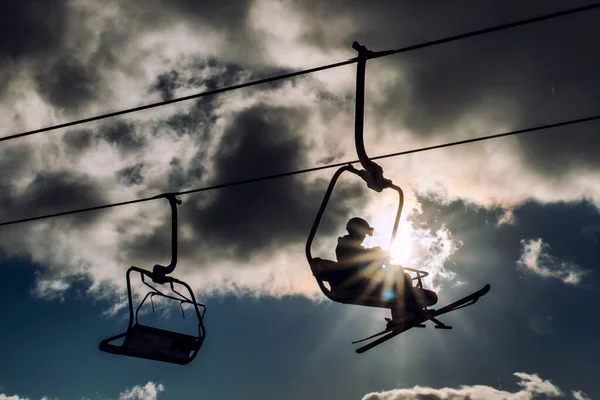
x=420 y=274
x=167 y=279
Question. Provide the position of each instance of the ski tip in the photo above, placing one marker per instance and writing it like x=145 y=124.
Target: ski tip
x=485 y=289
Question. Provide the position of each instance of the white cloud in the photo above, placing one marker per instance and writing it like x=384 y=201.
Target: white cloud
x=149 y=391
x=531 y=386
x=14 y=397
x=536 y=259
x=579 y=395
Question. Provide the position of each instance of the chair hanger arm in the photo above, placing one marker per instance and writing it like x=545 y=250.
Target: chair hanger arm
x=160 y=271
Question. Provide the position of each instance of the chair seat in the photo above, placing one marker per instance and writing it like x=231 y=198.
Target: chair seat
x=156 y=344
x=327 y=270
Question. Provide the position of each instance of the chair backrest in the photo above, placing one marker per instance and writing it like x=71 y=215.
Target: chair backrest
x=321 y=269
x=328 y=271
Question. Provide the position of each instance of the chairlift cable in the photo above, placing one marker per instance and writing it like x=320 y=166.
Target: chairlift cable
x=307 y=170
x=378 y=54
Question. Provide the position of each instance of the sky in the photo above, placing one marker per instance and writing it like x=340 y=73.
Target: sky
x=520 y=213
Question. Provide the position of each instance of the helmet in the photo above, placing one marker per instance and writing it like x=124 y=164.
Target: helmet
x=359 y=226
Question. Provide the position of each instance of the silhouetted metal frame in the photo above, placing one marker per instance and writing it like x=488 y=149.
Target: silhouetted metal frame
x=159 y=275
x=372 y=173
x=319 y=217
x=420 y=275
x=133 y=318
x=160 y=271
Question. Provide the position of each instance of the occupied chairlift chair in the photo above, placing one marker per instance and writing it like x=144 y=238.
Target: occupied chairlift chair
x=152 y=343
x=324 y=269
x=372 y=174
x=418 y=298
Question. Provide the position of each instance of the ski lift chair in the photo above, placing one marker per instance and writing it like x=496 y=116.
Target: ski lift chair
x=152 y=343
x=410 y=311
x=325 y=271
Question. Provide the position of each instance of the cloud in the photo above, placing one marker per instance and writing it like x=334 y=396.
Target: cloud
x=149 y=391
x=536 y=259
x=14 y=397
x=60 y=63
x=41 y=33
x=579 y=395
x=531 y=386
x=474 y=87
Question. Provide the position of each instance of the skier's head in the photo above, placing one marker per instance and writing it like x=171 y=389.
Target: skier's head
x=359 y=228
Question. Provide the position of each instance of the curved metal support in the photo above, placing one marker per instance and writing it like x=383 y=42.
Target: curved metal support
x=360 y=173
x=374 y=172
x=315 y=226
x=159 y=272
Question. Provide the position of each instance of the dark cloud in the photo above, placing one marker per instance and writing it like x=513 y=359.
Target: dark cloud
x=131 y=175
x=31 y=30
x=78 y=140
x=60 y=191
x=245 y=220
x=49 y=192
x=531 y=75
x=197 y=123
x=13 y=164
x=261 y=141
x=35 y=33
x=228 y=20
x=224 y=74
x=523 y=77
x=195 y=75
x=209 y=74
x=30 y=27
x=559 y=151
x=166 y=84
x=227 y=17
x=177 y=176
x=123 y=135
x=67 y=83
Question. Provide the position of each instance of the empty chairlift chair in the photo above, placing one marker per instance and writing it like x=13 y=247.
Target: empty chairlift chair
x=152 y=343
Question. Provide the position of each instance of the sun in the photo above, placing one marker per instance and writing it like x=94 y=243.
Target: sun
x=402 y=248
x=381 y=214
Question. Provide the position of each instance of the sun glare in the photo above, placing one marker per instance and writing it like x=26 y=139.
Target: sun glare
x=401 y=249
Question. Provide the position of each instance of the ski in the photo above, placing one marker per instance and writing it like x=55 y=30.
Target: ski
x=470 y=299
x=372 y=336
x=429 y=315
x=385 y=338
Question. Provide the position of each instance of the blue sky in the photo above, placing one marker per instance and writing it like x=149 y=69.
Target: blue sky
x=519 y=213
